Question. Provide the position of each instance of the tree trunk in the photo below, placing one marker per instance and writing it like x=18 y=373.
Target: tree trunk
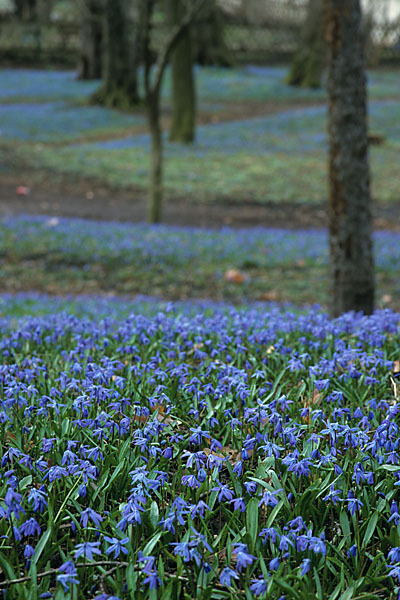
x=25 y=9
x=208 y=38
x=183 y=84
x=350 y=226
x=90 y=60
x=120 y=86
x=43 y=11
x=309 y=61
x=155 y=190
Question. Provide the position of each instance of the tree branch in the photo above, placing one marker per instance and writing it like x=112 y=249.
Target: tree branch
x=145 y=11
x=174 y=37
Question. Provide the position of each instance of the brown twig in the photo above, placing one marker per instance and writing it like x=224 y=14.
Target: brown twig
x=99 y=563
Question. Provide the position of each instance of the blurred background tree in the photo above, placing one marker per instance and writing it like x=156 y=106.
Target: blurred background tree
x=119 y=87
x=182 y=76
x=309 y=61
x=90 y=65
x=209 y=42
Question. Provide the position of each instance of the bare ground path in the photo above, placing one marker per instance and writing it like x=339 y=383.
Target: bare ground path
x=87 y=200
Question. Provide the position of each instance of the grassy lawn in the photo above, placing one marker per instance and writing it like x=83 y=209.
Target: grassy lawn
x=279 y=157
x=276 y=157
x=75 y=256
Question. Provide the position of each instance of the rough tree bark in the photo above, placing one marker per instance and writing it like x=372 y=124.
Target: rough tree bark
x=309 y=61
x=183 y=82
x=90 y=59
x=120 y=85
x=153 y=92
x=350 y=224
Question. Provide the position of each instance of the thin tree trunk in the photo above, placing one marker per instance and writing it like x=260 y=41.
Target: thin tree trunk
x=120 y=86
x=183 y=84
x=156 y=175
x=90 y=60
x=153 y=92
x=309 y=61
x=350 y=226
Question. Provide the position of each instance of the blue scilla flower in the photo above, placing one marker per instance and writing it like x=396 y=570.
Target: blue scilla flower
x=239 y=504
x=238 y=467
x=394 y=572
x=224 y=493
x=305 y=566
x=190 y=481
x=117 y=546
x=243 y=557
x=199 y=509
x=352 y=551
x=201 y=475
x=258 y=587
x=251 y=487
x=285 y=542
x=354 y=504
x=153 y=580
x=269 y=533
x=87 y=549
x=395 y=516
x=148 y=562
x=182 y=549
x=92 y=515
x=274 y=564
x=12 y=500
x=30 y=527
x=295 y=525
x=317 y=544
x=9 y=455
x=322 y=384
x=269 y=498
x=56 y=472
x=333 y=494
x=130 y=514
x=67 y=575
x=394 y=555
x=38 y=498
x=29 y=551
x=226 y=576
x=198 y=538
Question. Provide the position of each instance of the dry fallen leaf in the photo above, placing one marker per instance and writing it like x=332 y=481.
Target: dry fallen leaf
x=22 y=190
x=271 y=296
x=234 y=276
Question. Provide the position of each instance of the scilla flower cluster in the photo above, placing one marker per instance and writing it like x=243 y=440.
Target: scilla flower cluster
x=219 y=454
